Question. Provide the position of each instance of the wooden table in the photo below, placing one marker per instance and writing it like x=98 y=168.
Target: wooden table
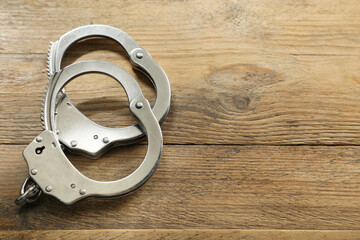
x=262 y=139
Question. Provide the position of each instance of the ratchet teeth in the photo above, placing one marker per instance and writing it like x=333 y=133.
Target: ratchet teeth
x=49 y=55
x=48 y=70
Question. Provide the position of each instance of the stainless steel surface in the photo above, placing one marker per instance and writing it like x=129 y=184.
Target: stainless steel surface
x=29 y=192
x=139 y=105
x=59 y=177
x=79 y=129
x=73 y=143
x=65 y=125
x=139 y=55
x=71 y=122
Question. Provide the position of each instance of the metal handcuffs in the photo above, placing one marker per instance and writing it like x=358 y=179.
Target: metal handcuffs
x=75 y=129
x=50 y=169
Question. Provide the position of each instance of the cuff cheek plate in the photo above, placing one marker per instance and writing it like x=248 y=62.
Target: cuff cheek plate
x=70 y=122
x=54 y=173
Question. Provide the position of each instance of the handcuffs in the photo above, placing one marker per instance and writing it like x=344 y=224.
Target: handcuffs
x=65 y=127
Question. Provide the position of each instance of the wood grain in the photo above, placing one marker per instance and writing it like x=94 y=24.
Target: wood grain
x=241 y=72
x=183 y=234
x=247 y=187
x=262 y=139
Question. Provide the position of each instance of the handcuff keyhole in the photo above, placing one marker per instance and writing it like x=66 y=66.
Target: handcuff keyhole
x=39 y=150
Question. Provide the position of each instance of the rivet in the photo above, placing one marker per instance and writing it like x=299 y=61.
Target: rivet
x=48 y=188
x=82 y=191
x=73 y=143
x=34 y=171
x=105 y=140
x=73 y=185
x=139 y=105
x=96 y=136
x=38 y=139
x=139 y=55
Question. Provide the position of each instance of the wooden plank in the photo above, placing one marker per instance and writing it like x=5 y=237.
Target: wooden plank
x=224 y=111
x=315 y=27
x=203 y=187
x=182 y=234
x=241 y=72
